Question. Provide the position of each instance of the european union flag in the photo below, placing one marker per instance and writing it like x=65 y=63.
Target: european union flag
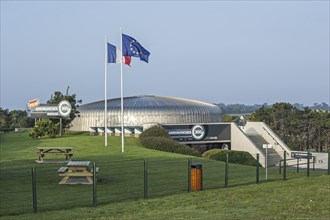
x=133 y=48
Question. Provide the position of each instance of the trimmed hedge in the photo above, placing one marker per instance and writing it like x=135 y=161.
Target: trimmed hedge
x=156 y=138
x=154 y=131
x=238 y=157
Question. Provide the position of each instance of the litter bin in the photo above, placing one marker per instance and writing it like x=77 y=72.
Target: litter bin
x=196 y=181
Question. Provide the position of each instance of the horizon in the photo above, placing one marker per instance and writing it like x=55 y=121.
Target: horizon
x=214 y=103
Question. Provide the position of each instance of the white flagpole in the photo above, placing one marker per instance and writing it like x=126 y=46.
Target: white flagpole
x=121 y=92
x=105 y=92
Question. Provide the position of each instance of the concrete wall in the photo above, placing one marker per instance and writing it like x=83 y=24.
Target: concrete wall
x=240 y=142
x=321 y=160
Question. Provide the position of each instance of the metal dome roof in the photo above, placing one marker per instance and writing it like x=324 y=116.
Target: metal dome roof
x=151 y=103
x=140 y=110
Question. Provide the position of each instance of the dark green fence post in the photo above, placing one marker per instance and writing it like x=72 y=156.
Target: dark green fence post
x=280 y=167
x=34 y=189
x=145 y=178
x=329 y=162
x=257 y=170
x=94 y=185
x=226 y=172
x=189 y=174
x=308 y=161
x=284 y=166
x=314 y=163
x=298 y=165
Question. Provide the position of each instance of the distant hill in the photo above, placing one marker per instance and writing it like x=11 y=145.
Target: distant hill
x=316 y=106
x=248 y=109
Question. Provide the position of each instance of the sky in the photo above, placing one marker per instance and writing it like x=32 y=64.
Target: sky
x=246 y=52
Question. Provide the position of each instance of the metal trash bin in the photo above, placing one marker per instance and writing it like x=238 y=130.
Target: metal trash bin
x=196 y=181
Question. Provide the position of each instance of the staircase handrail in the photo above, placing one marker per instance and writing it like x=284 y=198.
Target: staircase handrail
x=286 y=149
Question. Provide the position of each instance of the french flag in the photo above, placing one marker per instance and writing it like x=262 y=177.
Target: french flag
x=114 y=55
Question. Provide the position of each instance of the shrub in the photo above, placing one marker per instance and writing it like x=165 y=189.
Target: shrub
x=154 y=131
x=45 y=127
x=238 y=157
x=157 y=138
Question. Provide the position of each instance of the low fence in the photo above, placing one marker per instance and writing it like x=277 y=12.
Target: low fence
x=37 y=189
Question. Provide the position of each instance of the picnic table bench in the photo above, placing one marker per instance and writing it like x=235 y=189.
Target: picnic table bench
x=77 y=169
x=42 y=151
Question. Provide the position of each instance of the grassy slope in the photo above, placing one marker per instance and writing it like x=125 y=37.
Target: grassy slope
x=18 y=150
x=270 y=200
x=292 y=199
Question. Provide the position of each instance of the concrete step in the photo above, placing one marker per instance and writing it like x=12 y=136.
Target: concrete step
x=258 y=140
x=273 y=157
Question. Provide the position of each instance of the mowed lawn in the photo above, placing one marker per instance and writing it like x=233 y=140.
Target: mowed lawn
x=120 y=185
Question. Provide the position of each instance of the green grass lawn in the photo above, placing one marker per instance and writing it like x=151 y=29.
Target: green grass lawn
x=120 y=185
x=305 y=198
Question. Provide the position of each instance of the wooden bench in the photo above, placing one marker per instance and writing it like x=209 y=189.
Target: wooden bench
x=77 y=172
x=42 y=151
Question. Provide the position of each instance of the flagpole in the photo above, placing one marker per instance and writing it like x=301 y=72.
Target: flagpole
x=105 y=92
x=121 y=92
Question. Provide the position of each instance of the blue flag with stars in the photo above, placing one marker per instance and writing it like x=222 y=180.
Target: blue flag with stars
x=132 y=47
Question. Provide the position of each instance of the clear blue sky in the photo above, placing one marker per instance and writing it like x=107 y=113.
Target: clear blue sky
x=247 y=52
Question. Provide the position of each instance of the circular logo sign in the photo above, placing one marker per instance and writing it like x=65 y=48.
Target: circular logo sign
x=64 y=108
x=198 y=132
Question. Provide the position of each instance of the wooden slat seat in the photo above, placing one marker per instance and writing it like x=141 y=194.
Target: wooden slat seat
x=62 y=170
x=48 y=148
x=43 y=153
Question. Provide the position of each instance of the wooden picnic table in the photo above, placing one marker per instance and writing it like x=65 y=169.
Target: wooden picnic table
x=77 y=169
x=42 y=151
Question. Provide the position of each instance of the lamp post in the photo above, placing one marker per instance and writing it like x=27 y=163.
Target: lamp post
x=266 y=157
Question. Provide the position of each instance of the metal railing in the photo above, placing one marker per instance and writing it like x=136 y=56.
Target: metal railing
x=276 y=142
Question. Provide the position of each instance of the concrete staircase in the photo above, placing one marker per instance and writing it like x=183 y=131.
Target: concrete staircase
x=251 y=138
x=273 y=157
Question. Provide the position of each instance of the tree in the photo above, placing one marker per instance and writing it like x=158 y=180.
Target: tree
x=300 y=129
x=19 y=119
x=230 y=118
x=14 y=119
x=57 y=97
x=4 y=120
x=50 y=127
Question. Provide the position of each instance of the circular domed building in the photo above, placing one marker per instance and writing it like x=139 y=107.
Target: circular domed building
x=145 y=110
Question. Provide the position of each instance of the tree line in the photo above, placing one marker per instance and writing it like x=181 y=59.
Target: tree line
x=301 y=129
x=9 y=120
x=305 y=129
x=244 y=109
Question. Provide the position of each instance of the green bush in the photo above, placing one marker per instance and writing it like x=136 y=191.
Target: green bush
x=238 y=157
x=154 y=131
x=45 y=127
x=157 y=138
